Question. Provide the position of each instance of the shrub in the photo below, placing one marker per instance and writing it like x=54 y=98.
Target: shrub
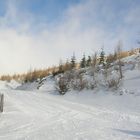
x=113 y=82
x=78 y=83
x=62 y=85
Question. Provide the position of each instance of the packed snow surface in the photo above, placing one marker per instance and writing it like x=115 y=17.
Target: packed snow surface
x=87 y=115
x=40 y=116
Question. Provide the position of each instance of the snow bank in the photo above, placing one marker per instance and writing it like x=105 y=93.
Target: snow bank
x=9 y=85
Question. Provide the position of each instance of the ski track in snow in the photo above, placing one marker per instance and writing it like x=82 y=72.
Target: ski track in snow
x=38 y=116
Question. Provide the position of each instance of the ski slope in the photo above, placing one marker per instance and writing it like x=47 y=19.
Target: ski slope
x=42 y=116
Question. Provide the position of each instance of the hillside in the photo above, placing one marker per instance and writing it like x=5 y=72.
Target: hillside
x=130 y=68
x=36 y=111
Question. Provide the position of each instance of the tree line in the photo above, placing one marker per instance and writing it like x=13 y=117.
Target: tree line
x=86 y=61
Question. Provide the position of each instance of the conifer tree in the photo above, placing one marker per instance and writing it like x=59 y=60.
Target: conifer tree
x=73 y=64
x=102 y=57
x=83 y=62
x=89 y=61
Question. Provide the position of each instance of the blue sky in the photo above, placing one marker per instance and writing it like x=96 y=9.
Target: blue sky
x=38 y=33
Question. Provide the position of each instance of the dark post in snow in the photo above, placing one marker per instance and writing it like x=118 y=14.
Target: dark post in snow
x=1 y=102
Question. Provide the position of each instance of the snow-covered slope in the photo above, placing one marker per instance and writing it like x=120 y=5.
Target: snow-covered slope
x=9 y=85
x=46 y=84
x=99 y=114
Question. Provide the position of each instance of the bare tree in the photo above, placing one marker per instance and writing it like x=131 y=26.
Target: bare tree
x=119 y=50
x=94 y=62
x=61 y=67
x=67 y=66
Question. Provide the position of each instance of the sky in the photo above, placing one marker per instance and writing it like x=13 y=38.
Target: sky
x=38 y=33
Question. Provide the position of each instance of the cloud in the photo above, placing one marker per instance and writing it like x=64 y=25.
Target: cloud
x=28 y=42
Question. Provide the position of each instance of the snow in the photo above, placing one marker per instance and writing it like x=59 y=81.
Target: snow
x=99 y=114
x=38 y=115
x=48 y=85
x=28 y=86
x=132 y=80
x=9 y=85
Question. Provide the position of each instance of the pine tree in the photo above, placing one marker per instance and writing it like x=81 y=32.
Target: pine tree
x=73 y=64
x=89 y=61
x=83 y=62
x=102 y=57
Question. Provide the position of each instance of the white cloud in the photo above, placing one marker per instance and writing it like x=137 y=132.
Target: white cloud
x=21 y=49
